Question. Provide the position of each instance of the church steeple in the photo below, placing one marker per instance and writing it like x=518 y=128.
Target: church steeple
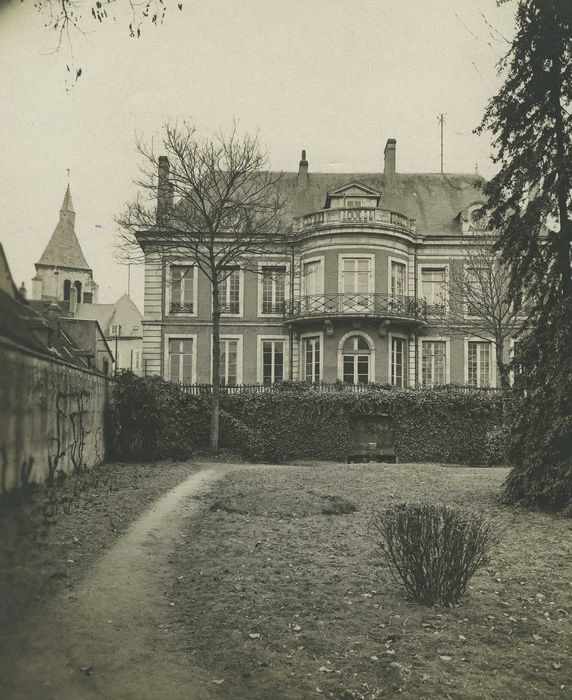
x=62 y=265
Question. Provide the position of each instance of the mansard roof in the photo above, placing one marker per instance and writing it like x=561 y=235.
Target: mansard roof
x=63 y=249
x=434 y=200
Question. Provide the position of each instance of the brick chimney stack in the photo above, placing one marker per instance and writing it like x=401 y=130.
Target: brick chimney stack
x=303 y=170
x=164 y=189
x=389 y=153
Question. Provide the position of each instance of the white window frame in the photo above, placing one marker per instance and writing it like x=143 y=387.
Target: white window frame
x=405 y=338
x=259 y=360
x=261 y=266
x=371 y=344
x=317 y=259
x=356 y=256
x=179 y=336
x=466 y=269
x=239 y=355
x=302 y=355
x=117 y=333
x=400 y=261
x=168 y=288
x=430 y=339
x=240 y=313
x=493 y=359
x=435 y=266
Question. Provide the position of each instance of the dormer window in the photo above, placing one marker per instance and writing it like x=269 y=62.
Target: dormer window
x=354 y=195
x=358 y=203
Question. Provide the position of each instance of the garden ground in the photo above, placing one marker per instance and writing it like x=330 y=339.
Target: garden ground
x=270 y=587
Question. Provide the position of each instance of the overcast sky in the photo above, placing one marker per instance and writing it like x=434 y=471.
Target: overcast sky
x=337 y=78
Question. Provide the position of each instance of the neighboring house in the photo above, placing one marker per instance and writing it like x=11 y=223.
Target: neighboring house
x=64 y=276
x=361 y=303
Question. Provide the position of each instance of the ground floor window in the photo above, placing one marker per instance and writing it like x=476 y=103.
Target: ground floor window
x=479 y=363
x=312 y=359
x=181 y=360
x=272 y=361
x=398 y=362
x=228 y=361
x=356 y=359
x=433 y=362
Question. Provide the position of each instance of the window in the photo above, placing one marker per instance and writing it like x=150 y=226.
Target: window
x=398 y=362
x=355 y=203
x=313 y=277
x=136 y=359
x=181 y=360
x=272 y=361
x=479 y=363
x=87 y=297
x=77 y=285
x=229 y=292
x=356 y=360
x=474 y=291
x=273 y=285
x=397 y=278
x=433 y=286
x=312 y=359
x=115 y=329
x=67 y=290
x=433 y=362
x=228 y=369
x=182 y=289
x=356 y=275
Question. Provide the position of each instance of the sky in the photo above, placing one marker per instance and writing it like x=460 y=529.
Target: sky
x=335 y=77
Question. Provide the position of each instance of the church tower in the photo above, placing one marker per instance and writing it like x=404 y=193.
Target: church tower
x=63 y=267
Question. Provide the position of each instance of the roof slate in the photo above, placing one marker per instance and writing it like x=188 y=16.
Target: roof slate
x=63 y=249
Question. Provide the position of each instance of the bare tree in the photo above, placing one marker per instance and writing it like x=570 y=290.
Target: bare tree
x=217 y=204
x=482 y=307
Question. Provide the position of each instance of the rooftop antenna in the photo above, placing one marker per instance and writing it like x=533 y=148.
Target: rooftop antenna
x=68 y=175
x=441 y=120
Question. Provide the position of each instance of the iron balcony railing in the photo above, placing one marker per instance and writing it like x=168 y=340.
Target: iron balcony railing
x=357 y=215
x=384 y=305
x=326 y=387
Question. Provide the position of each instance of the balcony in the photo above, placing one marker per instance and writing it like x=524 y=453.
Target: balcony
x=347 y=305
x=367 y=216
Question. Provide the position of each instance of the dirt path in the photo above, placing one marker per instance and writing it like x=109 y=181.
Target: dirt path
x=115 y=620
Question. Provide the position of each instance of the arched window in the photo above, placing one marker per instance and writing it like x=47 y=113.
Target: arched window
x=67 y=289
x=356 y=358
x=77 y=285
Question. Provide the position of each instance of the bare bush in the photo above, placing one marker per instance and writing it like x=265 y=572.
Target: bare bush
x=433 y=551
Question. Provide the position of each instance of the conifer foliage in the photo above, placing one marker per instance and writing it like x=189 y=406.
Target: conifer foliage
x=530 y=206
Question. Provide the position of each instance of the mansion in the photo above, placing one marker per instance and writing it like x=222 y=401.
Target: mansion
x=360 y=301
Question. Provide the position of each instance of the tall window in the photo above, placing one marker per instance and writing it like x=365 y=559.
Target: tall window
x=67 y=289
x=272 y=361
x=182 y=289
x=312 y=359
x=181 y=360
x=77 y=285
x=229 y=292
x=273 y=284
x=356 y=275
x=479 y=363
x=433 y=286
x=398 y=362
x=229 y=361
x=397 y=278
x=474 y=291
x=433 y=362
x=312 y=277
x=356 y=358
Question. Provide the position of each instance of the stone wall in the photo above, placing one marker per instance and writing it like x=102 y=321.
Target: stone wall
x=52 y=418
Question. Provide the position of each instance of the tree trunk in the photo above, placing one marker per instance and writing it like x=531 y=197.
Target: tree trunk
x=215 y=404
x=502 y=367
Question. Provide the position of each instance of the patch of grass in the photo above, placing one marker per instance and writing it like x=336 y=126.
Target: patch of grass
x=332 y=622
x=336 y=505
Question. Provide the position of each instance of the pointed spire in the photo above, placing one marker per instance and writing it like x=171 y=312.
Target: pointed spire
x=67 y=204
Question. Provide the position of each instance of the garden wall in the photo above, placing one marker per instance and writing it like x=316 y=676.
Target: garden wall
x=52 y=418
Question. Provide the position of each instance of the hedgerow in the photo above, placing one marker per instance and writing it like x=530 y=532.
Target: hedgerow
x=155 y=419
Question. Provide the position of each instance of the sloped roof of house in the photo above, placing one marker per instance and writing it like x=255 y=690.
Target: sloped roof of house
x=63 y=249
x=434 y=200
x=123 y=313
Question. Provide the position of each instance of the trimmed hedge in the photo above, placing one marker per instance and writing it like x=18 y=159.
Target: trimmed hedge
x=155 y=419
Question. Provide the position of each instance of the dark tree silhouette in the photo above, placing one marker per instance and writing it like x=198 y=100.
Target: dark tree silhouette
x=529 y=204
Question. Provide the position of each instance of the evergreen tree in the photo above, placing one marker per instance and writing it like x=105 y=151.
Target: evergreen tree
x=530 y=207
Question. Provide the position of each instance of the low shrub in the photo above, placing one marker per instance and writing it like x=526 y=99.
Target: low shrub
x=496 y=446
x=433 y=551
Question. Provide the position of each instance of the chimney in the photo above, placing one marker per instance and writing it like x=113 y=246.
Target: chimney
x=389 y=153
x=164 y=189
x=73 y=300
x=303 y=170
x=23 y=291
